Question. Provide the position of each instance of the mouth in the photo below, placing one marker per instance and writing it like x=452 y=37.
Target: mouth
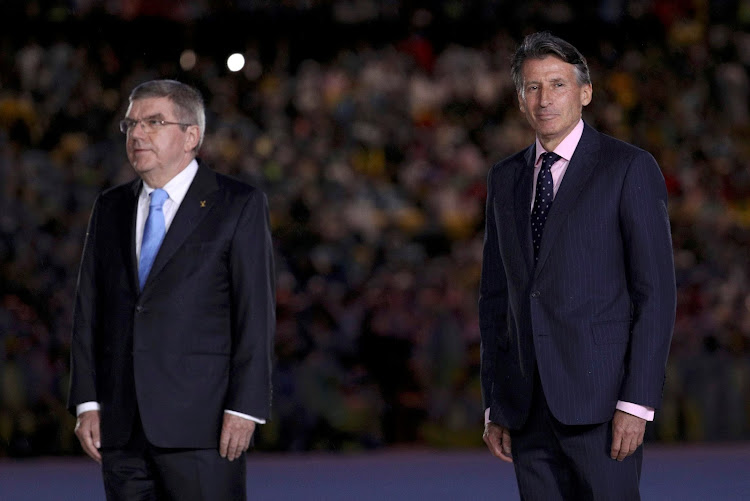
x=136 y=150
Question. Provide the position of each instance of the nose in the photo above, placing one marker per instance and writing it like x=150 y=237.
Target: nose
x=138 y=130
x=545 y=97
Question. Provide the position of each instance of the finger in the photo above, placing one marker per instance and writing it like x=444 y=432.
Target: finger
x=630 y=450
x=88 y=436
x=84 y=437
x=95 y=436
x=224 y=442
x=235 y=446
x=88 y=446
x=625 y=450
x=232 y=451
x=506 y=448
x=506 y=442
x=629 y=445
x=243 y=444
x=614 y=453
x=493 y=437
x=493 y=444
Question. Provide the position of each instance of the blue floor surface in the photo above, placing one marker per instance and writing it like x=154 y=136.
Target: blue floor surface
x=685 y=473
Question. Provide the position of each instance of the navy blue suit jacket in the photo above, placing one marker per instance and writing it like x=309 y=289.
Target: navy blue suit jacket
x=198 y=338
x=596 y=313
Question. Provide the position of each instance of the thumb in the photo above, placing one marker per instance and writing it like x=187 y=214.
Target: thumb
x=96 y=435
x=506 y=442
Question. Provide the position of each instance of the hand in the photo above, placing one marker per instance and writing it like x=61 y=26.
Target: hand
x=497 y=439
x=87 y=431
x=236 y=433
x=627 y=434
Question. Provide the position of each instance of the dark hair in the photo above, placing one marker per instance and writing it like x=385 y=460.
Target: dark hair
x=542 y=44
x=188 y=102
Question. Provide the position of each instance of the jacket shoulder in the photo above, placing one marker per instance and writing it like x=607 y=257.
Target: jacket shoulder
x=122 y=191
x=509 y=164
x=619 y=148
x=236 y=187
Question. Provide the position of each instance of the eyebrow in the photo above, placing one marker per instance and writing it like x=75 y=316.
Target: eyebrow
x=156 y=116
x=552 y=80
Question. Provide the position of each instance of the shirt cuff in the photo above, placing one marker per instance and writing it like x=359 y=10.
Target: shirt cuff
x=87 y=406
x=640 y=411
x=245 y=416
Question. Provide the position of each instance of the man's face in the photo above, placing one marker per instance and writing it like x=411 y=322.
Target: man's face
x=551 y=98
x=161 y=154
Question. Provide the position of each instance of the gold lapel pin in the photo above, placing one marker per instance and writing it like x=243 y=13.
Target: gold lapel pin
x=203 y=203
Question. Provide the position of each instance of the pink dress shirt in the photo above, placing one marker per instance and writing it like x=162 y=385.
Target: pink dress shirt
x=566 y=149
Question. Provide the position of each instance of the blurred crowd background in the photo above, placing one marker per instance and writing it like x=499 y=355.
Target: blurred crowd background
x=371 y=125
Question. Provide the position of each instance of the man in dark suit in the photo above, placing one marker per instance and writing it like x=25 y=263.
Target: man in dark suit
x=577 y=295
x=174 y=314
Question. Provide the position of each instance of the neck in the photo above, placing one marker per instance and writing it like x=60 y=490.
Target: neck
x=549 y=146
x=158 y=178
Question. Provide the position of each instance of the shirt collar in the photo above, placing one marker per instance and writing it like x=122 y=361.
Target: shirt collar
x=177 y=187
x=567 y=146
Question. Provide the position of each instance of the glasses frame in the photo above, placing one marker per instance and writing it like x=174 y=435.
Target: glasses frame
x=149 y=125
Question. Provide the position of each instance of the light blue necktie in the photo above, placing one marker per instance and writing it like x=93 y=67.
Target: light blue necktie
x=153 y=233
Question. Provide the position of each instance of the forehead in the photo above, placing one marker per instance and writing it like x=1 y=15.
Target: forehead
x=151 y=106
x=546 y=68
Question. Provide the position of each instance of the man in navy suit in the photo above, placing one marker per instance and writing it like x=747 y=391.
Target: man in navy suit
x=174 y=314
x=577 y=295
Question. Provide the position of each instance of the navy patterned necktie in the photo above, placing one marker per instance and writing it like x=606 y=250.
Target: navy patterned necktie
x=542 y=200
x=153 y=233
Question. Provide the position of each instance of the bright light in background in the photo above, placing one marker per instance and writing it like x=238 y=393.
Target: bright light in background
x=188 y=60
x=235 y=62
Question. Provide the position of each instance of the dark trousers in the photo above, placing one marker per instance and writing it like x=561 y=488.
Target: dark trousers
x=142 y=472
x=554 y=461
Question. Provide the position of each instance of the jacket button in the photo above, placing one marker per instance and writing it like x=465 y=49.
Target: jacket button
x=139 y=309
x=535 y=294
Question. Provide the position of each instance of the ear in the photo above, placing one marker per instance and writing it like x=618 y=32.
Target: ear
x=192 y=137
x=587 y=92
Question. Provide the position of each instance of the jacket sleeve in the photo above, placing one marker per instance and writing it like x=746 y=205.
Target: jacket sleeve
x=82 y=368
x=493 y=298
x=253 y=316
x=649 y=264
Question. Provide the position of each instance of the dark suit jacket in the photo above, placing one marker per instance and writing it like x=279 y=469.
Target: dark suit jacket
x=596 y=313
x=197 y=339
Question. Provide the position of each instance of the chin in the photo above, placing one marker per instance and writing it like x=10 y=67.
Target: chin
x=140 y=167
x=547 y=131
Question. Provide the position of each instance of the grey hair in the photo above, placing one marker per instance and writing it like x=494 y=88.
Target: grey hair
x=542 y=44
x=187 y=100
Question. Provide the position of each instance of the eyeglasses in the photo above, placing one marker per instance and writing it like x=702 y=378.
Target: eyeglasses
x=149 y=125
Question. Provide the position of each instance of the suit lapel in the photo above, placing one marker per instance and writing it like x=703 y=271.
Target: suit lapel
x=579 y=170
x=197 y=202
x=524 y=181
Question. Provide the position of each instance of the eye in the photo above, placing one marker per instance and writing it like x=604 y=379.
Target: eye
x=153 y=122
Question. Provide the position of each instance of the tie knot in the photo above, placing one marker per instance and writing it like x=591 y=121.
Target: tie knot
x=158 y=197
x=549 y=158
